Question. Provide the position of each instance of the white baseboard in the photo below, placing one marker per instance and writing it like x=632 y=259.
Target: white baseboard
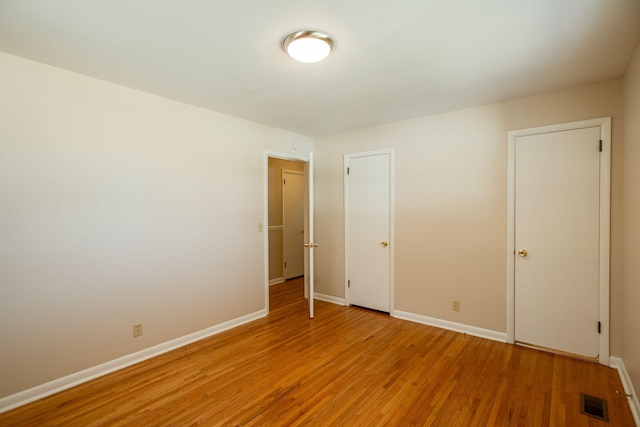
x=617 y=363
x=452 y=326
x=330 y=298
x=276 y=281
x=27 y=396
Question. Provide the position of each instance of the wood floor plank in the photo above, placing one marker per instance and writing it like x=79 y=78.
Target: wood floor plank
x=348 y=366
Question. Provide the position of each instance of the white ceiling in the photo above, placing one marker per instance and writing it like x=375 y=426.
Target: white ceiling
x=394 y=59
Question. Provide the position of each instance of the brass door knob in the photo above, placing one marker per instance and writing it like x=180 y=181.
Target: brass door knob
x=522 y=253
x=384 y=243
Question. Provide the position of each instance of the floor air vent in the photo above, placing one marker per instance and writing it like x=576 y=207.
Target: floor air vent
x=594 y=407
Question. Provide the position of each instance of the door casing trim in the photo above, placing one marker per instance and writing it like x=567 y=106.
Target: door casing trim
x=605 y=220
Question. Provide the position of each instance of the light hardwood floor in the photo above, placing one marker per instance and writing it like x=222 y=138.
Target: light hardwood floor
x=348 y=366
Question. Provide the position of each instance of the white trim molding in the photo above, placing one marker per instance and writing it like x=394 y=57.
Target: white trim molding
x=276 y=281
x=618 y=364
x=634 y=404
x=330 y=298
x=604 y=124
x=452 y=326
x=47 y=389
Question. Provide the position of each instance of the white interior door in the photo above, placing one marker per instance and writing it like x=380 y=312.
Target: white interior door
x=293 y=189
x=368 y=221
x=310 y=244
x=557 y=208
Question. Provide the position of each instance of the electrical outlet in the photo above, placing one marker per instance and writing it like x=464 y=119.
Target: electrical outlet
x=137 y=330
x=455 y=305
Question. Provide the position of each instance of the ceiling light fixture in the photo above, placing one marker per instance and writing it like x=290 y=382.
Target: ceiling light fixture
x=308 y=46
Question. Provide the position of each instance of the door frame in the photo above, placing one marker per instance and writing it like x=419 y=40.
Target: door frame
x=306 y=159
x=390 y=152
x=604 y=123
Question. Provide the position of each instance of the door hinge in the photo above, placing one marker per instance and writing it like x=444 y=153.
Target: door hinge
x=285 y=264
x=600 y=146
x=284 y=182
x=348 y=283
x=599 y=327
x=347 y=171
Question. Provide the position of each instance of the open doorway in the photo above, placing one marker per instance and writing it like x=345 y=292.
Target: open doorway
x=288 y=239
x=286 y=220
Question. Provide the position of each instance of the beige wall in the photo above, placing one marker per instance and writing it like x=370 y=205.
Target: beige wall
x=275 y=213
x=120 y=207
x=631 y=222
x=451 y=202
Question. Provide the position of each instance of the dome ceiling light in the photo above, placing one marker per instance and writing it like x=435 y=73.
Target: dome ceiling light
x=308 y=46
